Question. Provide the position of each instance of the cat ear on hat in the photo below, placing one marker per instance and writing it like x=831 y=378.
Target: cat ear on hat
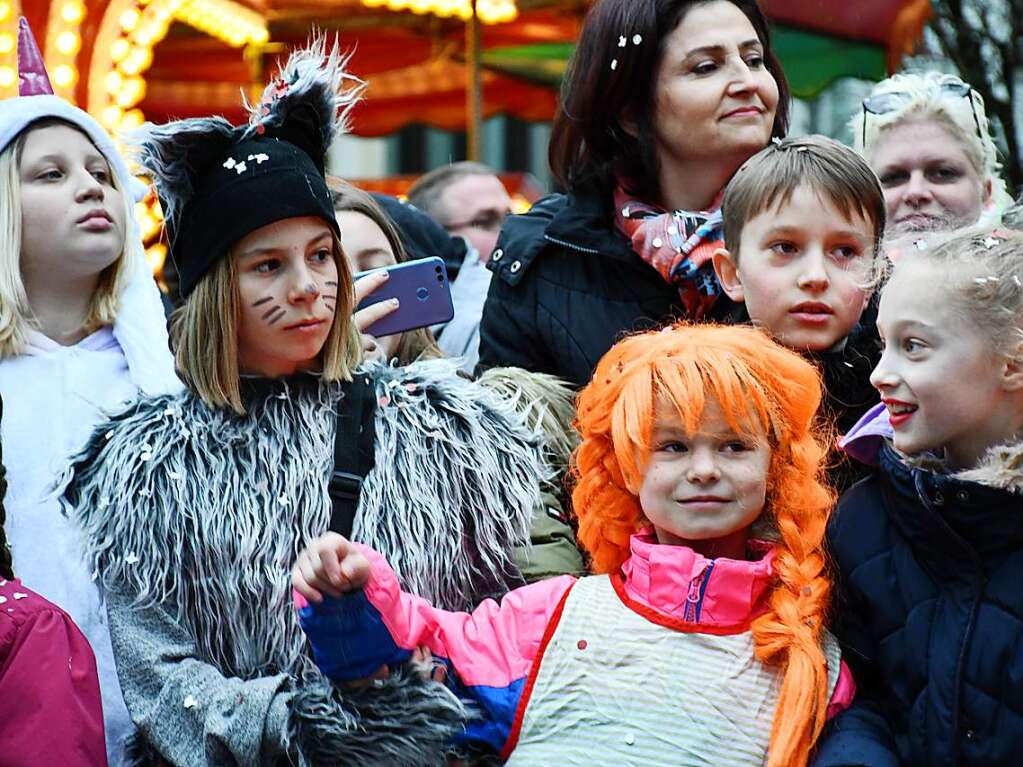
x=309 y=102
x=179 y=153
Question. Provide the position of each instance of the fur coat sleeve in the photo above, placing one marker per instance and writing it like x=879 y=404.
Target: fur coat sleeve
x=189 y=713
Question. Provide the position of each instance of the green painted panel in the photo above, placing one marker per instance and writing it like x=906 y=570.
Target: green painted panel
x=811 y=61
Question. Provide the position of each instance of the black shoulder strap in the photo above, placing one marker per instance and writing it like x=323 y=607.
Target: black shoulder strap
x=353 y=451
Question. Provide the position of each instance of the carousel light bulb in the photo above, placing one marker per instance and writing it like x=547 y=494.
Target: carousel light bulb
x=132 y=119
x=138 y=60
x=119 y=49
x=7 y=77
x=111 y=117
x=155 y=255
x=5 y=10
x=113 y=81
x=131 y=93
x=151 y=228
x=145 y=36
x=65 y=75
x=6 y=42
x=68 y=43
x=130 y=19
x=72 y=11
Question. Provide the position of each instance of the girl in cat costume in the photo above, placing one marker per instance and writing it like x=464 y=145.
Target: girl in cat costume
x=195 y=505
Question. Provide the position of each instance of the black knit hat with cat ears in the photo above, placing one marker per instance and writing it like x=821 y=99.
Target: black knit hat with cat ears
x=217 y=182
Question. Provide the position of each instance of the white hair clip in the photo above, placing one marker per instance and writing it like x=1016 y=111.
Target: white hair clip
x=614 y=64
x=622 y=42
x=990 y=242
x=637 y=39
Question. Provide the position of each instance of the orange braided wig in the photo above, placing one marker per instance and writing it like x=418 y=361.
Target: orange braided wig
x=761 y=387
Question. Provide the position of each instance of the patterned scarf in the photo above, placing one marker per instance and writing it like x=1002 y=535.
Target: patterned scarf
x=678 y=245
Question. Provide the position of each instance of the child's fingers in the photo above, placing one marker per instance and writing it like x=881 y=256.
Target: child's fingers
x=301 y=585
x=317 y=568
x=371 y=349
x=330 y=564
x=366 y=317
x=365 y=286
x=427 y=667
x=440 y=672
x=355 y=569
x=308 y=565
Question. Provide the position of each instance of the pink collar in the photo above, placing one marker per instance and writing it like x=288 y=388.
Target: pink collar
x=681 y=585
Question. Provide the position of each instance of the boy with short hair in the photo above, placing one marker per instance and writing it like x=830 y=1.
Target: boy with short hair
x=803 y=222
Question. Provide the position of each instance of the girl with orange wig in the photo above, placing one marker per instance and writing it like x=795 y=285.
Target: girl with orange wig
x=701 y=640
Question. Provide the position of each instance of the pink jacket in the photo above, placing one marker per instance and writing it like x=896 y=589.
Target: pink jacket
x=495 y=650
x=50 y=711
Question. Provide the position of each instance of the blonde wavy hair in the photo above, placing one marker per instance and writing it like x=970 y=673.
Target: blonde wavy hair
x=204 y=334
x=761 y=387
x=16 y=315
x=926 y=102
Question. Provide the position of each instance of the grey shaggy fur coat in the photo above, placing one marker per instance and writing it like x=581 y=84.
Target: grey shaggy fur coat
x=193 y=517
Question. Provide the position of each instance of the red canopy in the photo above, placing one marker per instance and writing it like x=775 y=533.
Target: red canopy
x=414 y=63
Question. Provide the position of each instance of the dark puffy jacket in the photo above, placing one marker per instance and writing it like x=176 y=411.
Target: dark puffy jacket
x=568 y=286
x=930 y=616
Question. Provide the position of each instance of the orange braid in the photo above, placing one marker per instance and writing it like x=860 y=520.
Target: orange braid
x=759 y=385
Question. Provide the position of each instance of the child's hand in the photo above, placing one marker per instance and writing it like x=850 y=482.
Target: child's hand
x=329 y=565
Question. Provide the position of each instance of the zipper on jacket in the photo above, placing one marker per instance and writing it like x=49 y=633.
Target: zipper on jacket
x=694 y=599
x=571 y=245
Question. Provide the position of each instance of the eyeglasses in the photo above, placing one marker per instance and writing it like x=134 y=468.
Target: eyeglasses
x=488 y=220
x=883 y=103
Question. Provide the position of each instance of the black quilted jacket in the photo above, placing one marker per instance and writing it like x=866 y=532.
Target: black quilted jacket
x=566 y=287
x=930 y=616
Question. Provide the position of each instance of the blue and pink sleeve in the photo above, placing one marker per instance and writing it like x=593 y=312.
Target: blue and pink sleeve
x=490 y=650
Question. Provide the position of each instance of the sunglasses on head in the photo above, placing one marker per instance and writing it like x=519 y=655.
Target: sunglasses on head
x=884 y=103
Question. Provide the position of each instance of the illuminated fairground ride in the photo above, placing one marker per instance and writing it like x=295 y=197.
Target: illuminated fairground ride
x=443 y=63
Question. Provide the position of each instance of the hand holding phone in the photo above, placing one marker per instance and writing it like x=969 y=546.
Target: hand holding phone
x=421 y=290
x=364 y=287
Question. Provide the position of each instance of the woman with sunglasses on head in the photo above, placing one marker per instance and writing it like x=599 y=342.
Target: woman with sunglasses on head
x=663 y=101
x=927 y=137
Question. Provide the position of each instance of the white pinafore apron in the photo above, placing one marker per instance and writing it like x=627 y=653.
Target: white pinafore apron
x=617 y=690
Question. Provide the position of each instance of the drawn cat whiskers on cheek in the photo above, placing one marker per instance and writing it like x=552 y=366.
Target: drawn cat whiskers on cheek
x=273 y=314
x=330 y=297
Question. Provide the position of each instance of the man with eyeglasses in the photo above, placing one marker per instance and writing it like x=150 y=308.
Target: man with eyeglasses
x=469 y=201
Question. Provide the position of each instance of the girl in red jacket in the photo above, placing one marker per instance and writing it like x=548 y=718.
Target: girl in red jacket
x=50 y=711
x=700 y=500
